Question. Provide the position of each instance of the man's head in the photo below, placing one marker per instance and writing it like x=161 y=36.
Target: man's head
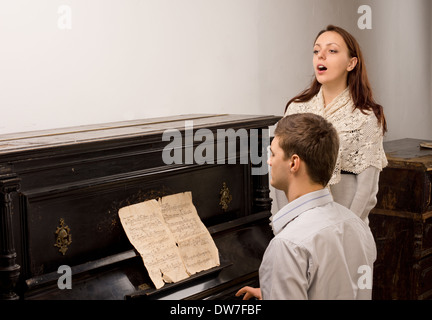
x=305 y=146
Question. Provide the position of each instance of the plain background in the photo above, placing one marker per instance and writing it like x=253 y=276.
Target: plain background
x=133 y=59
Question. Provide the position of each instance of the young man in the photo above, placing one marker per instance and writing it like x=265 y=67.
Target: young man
x=321 y=250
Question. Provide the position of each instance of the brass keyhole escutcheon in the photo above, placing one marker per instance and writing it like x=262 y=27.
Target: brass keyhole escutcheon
x=63 y=237
x=225 y=197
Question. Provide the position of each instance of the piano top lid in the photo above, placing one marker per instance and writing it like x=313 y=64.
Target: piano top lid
x=24 y=141
x=407 y=153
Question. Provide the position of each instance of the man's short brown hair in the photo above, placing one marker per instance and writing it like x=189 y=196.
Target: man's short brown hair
x=314 y=140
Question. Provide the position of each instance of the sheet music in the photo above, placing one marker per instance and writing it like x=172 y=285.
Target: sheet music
x=170 y=237
x=199 y=253
x=147 y=231
x=195 y=243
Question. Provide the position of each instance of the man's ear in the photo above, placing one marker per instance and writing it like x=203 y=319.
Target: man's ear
x=295 y=163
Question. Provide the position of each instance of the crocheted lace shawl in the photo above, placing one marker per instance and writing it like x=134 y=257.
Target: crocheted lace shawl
x=360 y=135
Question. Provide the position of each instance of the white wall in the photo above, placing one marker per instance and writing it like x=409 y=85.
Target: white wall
x=125 y=60
x=145 y=58
x=399 y=64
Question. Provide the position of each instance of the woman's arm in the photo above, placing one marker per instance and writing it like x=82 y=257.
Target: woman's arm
x=367 y=188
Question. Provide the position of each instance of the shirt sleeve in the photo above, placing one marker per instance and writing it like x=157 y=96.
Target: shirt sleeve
x=284 y=271
x=367 y=188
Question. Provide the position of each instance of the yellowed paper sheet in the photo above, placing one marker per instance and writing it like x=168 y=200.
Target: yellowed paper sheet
x=146 y=230
x=195 y=243
x=199 y=253
x=171 y=238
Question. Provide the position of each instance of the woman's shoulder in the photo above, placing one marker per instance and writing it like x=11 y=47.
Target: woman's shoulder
x=295 y=107
x=303 y=107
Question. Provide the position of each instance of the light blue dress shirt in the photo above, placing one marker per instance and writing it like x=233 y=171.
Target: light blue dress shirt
x=321 y=250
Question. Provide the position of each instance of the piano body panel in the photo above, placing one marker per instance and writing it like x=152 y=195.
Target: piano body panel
x=125 y=278
x=75 y=180
x=91 y=212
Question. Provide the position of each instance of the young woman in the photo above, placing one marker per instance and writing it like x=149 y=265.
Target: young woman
x=341 y=93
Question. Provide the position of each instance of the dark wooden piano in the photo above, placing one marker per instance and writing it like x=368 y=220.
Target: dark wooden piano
x=61 y=191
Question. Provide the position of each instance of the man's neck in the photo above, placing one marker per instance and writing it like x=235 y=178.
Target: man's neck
x=295 y=193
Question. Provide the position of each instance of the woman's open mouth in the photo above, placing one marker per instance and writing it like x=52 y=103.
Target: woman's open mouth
x=321 y=68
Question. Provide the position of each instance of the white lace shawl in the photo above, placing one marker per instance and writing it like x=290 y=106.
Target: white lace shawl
x=360 y=135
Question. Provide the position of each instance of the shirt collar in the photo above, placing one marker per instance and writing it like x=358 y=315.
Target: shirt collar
x=296 y=207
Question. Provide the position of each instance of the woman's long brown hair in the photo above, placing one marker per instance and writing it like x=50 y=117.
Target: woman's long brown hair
x=358 y=82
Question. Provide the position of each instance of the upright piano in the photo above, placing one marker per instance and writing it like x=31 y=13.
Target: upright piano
x=61 y=190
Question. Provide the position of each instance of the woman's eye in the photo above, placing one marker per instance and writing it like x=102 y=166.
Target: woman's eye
x=333 y=51
x=315 y=51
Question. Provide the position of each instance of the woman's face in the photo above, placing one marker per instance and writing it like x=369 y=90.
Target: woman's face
x=331 y=59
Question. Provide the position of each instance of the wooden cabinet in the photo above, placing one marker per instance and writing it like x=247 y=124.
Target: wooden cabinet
x=402 y=223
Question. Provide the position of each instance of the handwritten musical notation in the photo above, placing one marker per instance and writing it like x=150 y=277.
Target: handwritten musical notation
x=170 y=237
